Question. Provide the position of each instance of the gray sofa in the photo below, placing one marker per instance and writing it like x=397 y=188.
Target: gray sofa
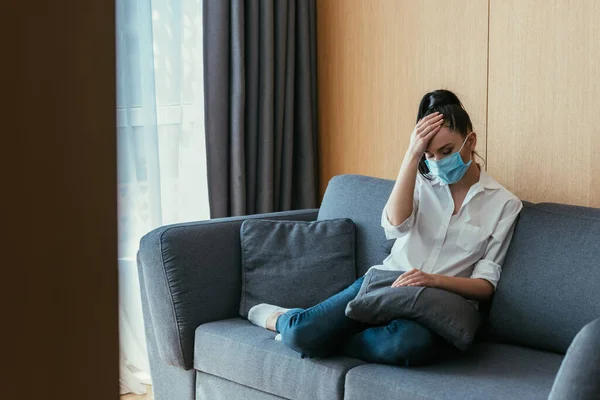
x=541 y=338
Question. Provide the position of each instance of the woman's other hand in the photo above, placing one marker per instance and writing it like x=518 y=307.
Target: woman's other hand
x=425 y=129
x=416 y=277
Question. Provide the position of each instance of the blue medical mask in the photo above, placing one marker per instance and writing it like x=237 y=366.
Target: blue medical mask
x=449 y=169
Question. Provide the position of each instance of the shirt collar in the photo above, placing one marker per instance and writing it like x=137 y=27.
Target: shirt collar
x=485 y=180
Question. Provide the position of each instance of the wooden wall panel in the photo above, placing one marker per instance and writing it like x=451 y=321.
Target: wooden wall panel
x=544 y=89
x=376 y=59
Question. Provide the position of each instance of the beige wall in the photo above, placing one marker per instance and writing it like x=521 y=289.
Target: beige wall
x=376 y=59
x=544 y=91
x=59 y=253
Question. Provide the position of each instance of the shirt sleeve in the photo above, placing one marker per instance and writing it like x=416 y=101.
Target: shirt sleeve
x=398 y=231
x=490 y=266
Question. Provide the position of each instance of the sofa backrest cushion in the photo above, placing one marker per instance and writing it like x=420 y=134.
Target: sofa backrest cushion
x=550 y=282
x=362 y=199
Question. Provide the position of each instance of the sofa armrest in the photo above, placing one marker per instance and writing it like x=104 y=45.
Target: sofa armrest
x=579 y=373
x=192 y=275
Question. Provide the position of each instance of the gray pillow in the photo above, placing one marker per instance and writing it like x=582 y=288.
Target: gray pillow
x=448 y=314
x=295 y=264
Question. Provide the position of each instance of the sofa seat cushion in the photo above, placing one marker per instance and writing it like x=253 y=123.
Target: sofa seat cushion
x=236 y=350
x=487 y=370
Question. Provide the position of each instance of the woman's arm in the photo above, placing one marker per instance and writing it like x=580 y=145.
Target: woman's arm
x=489 y=267
x=470 y=288
x=477 y=289
x=400 y=204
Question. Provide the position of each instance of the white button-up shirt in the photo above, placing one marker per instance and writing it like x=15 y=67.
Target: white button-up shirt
x=470 y=244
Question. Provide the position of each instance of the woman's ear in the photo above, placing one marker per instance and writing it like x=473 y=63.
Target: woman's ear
x=472 y=141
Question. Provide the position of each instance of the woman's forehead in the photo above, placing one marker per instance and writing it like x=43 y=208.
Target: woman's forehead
x=443 y=137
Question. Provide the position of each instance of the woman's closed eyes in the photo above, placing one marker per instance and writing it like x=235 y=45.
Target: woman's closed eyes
x=444 y=152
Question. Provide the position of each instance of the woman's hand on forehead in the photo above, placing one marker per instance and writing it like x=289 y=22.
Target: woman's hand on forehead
x=424 y=131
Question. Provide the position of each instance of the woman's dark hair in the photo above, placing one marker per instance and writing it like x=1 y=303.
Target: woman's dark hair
x=455 y=116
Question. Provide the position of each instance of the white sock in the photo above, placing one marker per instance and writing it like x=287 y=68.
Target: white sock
x=259 y=314
x=278 y=337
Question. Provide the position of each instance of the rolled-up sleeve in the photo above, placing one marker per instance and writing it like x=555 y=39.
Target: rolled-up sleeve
x=490 y=266
x=398 y=231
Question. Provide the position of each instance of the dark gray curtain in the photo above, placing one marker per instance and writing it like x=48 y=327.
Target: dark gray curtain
x=260 y=105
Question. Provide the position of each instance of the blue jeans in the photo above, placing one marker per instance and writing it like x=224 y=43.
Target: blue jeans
x=325 y=330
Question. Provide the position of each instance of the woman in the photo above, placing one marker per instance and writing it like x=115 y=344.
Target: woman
x=453 y=224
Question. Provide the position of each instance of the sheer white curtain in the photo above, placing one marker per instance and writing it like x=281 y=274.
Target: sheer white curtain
x=161 y=148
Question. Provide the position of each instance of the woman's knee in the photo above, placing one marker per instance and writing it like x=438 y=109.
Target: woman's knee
x=415 y=344
x=401 y=342
x=300 y=336
x=304 y=341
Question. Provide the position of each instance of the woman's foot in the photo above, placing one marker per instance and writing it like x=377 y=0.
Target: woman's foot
x=272 y=321
x=265 y=315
